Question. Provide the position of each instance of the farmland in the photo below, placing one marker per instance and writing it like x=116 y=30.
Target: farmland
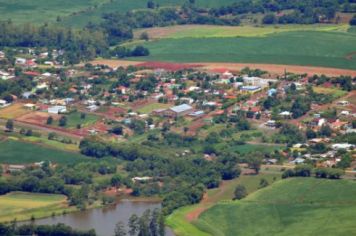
x=22 y=205
x=304 y=206
x=183 y=220
x=13 y=111
x=309 y=48
x=16 y=152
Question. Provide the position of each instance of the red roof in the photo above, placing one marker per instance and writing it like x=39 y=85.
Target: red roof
x=31 y=73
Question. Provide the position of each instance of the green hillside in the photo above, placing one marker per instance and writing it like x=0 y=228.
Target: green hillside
x=303 y=206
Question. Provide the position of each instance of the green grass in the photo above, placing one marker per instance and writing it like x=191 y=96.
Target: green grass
x=304 y=206
x=153 y=106
x=22 y=205
x=213 y=31
x=16 y=152
x=334 y=92
x=247 y=148
x=178 y=220
x=123 y=6
x=41 y=11
x=73 y=119
x=326 y=49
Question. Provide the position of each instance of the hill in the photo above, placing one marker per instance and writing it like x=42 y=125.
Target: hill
x=303 y=206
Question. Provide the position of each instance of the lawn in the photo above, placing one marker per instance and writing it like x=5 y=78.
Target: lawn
x=21 y=205
x=16 y=152
x=264 y=148
x=153 y=106
x=183 y=227
x=308 y=48
x=303 y=206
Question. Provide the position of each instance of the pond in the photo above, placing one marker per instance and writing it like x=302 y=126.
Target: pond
x=103 y=220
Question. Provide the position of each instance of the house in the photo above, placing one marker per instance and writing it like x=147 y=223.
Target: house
x=178 y=111
x=250 y=89
x=3 y=103
x=343 y=103
x=57 y=109
x=14 y=168
x=92 y=108
x=346 y=146
x=286 y=114
x=271 y=123
x=30 y=106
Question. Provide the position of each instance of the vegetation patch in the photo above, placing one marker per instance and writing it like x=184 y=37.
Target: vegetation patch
x=16 y=152
x=21 y=205
x=306 y=206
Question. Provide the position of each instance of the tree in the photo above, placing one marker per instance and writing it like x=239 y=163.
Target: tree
x=150 y=4
x=144 y=36
x=118 y=130
x=134 y=225
x=120 y=229
x=269 y=19
x=49 y=120
x=240 y=192
x=310 y=134
x=255 y=161
x=140 y=51
x=326 y=131
x=82 y=116
x=263 y=183
x=353 y=20
x=63 y=121
x=345 y=161
x=9 y=125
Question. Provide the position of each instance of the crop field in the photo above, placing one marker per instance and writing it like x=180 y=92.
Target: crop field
x=21 y=205
x=308 y=48
x=122 y=6
x=41 y=11
x=13 y=111
x=147 y=109
x=212 y=31
x=16 y=152
x=303 y=206
x=183 y=221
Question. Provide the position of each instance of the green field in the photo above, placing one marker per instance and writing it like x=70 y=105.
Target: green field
x=16 y=152
x=178 y=219
x=40 y=11
x=122 y=6
x=303 y=206
x=73 y=119
x=153 y=106
x=326 y=49
x=22 y=205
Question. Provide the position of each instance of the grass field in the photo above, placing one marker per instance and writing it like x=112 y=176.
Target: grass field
x=41 y=11
x=73 y=119
x=179 y=221
x=153 y=106
x=304 y=206
x=22 y=205
x=122 y=6
x=16 y=152
x=334 y=92
x=308 y=48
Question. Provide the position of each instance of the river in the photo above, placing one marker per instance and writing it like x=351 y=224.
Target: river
x=103 y=220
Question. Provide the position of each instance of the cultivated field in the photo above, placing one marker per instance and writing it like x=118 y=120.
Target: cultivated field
x=212 y=31
x=307 y=48
x=147 y=109
x=13 y=111
x=183 y=221
x=16 y=152
x=303 y=206
x=20 y=205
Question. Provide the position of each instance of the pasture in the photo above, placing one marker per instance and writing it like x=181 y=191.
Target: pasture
x=334 y=92
x=308 y=48
x=17 y=152
x=299 y=206
x=22 y=206
x=74 y=118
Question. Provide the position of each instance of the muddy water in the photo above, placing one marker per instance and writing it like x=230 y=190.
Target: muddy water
x=103 y=220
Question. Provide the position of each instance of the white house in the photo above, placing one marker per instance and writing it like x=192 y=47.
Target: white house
x=57 y=109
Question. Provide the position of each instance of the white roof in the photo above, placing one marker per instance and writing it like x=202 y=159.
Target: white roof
x=181 y=108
